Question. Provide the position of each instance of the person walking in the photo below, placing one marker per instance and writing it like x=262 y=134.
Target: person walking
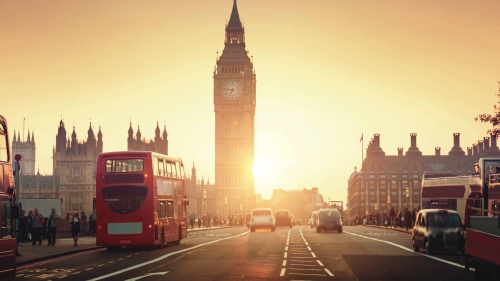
x=92 y=224
x=75 y=228
x=392 y=216
x=37 y=223
x=407 y=218
x=52 y=227
x=83 y=219
x=22 y=232
x=30 y=225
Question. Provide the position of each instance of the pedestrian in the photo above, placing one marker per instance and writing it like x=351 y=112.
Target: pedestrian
x=67 y=216
x=22 y=231
x=92 y=224
x=30 y=225
x=407 y=218
x=199 y=221
x=52 y=227
x=75 y=228
x=37 y=223
x=83 y=218
x=392 y=216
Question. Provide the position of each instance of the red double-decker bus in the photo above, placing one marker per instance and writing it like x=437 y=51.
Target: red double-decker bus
x=140 y=199
x=7 y=241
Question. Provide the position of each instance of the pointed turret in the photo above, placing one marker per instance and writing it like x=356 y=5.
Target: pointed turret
x=29 y=137
x=18 y=137
x=130 y=132
x=14 y=136
x=99 y=141
x=234 y=21
x=165 y=135
x=138 y=135
x=33 y=136
x=61 y=137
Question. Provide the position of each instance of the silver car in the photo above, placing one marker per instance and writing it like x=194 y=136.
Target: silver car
x=262 y=218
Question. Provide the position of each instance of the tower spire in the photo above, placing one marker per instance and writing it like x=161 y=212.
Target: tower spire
x=234 y=21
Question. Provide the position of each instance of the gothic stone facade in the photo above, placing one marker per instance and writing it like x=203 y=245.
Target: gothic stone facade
x=384 y=180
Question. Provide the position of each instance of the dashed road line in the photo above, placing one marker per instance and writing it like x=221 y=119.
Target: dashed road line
x=328 y=272
x=313 y=255
x=320 y=263
x=282 y=272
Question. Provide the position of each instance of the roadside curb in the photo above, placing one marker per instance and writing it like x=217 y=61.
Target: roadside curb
x=388 y=228
x=58 y=255
x=44 y=258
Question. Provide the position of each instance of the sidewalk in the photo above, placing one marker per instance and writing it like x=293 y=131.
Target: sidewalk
x=64 y=246
x=394 y=229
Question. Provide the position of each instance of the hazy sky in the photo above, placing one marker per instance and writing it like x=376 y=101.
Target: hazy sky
x=327 y=71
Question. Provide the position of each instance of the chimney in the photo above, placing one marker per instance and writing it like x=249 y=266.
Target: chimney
x=493 y=142
x=376 y=140
x=413 y=150
x=480 y=146
x=413 y=142
x=475 y=149
x=486 y=143
x=437 y=151
x=400 y=151
x=456 y=140
x=456 y=150
x=469 y=151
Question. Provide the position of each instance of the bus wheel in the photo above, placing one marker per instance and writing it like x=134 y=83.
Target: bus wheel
x=178 y=241
x=162 y=243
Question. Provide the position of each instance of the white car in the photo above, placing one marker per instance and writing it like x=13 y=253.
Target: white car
x=262 y=218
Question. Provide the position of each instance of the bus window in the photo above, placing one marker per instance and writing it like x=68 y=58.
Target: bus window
x=124 y=165
x=169 y=169
x=182 y=171
x=161 y=167
x=174 y=170
x=177 y=172
x=162 y=209
x=170 y=209
x=3 y=145
x=155 y=167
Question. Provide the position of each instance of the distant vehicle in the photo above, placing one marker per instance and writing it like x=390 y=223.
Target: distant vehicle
x=262 y=218
x=445 y=191
x=140 y=199
x=314 y=217
x=438 y=229
x=7 y=241
x=283 y=218
x=292 y=218
x=329 y=219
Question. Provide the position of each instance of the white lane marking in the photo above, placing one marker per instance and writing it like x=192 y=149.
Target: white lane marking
x=146 y=275
x=308 y=274
x=284 y=262
x=309 y=248
x=299 y=264
x=310 y=269
x=284 y=256
x=282 y=272
x=286 y=248
x=287 y=243
x=312 y=253
x=320 y=263
x=410 y=250
x=164 y=257
x=328 y=272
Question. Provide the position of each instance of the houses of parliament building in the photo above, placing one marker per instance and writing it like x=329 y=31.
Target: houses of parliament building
x=385 y=180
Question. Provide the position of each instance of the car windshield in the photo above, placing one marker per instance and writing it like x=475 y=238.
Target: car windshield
x=444 y=220
x=328 y=215
x=261 y=213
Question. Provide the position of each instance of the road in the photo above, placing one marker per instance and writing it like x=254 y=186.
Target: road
x=359 y=253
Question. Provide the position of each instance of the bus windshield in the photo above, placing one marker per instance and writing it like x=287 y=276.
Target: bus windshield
x=4 y=156
x=124 y=165
x=124 y=199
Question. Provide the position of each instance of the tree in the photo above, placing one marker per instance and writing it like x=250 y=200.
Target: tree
x=493 y=119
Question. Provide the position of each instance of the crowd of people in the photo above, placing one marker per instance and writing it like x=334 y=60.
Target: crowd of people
x=206 y=221
x=34 y=226
x=404 y=218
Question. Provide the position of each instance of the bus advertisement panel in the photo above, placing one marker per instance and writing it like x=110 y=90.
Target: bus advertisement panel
x=140 y=199
x=7 y=240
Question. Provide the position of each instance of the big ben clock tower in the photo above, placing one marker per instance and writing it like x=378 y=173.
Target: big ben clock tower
x=234 y=106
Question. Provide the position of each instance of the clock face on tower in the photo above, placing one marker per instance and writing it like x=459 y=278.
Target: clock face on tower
x=231 y=90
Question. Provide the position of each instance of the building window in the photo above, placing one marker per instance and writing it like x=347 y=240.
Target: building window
x=437 y=166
